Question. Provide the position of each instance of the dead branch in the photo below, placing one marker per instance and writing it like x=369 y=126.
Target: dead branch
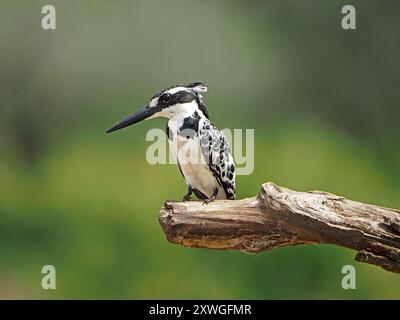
x=280 y=217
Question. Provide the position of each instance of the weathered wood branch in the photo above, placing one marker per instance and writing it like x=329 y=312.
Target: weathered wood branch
x=280 y=217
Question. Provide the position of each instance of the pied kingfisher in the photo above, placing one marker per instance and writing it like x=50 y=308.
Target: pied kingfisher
x=199 y=148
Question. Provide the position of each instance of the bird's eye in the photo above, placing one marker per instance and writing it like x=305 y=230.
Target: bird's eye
x=165 y=98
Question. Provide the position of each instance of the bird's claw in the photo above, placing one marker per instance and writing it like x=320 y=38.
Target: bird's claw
x=212 y=198
x=207 y=201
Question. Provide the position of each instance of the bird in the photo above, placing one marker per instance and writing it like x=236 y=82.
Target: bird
x=199 y=148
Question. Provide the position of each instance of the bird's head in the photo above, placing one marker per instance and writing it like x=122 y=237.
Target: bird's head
x=172 y=102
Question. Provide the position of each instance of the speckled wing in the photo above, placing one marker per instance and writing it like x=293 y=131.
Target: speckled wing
x=216 y=151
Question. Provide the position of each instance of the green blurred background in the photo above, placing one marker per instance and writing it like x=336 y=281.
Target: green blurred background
x=324 y=104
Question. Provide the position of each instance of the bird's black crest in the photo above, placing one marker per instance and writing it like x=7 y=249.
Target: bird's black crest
x=198 y=86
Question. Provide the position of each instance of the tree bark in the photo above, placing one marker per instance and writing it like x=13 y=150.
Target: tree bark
x=280 y=217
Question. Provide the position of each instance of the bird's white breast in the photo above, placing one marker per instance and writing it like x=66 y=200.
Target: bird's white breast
x=187 y=152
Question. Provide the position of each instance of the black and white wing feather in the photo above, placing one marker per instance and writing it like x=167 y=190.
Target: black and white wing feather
x=216 y=151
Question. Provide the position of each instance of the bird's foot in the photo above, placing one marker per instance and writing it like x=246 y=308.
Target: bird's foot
x=211 y=199
x=207 y=201
x=188 y=195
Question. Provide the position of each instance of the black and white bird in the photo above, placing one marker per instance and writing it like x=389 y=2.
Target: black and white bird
x=200 y=149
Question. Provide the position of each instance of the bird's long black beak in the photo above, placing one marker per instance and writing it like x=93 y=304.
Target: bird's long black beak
x=138 y=116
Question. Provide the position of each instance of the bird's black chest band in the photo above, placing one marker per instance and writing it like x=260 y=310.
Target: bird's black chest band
x=190 y=126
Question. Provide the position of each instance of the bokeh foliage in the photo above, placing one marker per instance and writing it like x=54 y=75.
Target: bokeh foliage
x=324 y=104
